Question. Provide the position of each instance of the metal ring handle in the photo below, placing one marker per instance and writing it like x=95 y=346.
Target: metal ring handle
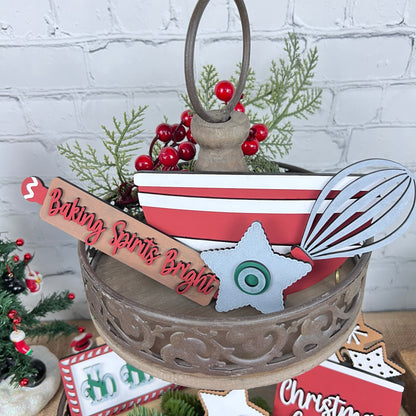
x=224 y=114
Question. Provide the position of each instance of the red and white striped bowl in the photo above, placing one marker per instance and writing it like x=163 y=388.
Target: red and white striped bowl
x=209 y=211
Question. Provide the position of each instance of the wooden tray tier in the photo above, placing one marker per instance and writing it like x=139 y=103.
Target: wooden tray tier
x=174 y=339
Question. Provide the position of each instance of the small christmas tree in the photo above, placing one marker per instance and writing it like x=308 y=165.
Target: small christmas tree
x=16 y=322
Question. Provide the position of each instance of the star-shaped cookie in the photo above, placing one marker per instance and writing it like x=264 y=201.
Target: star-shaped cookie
x=375 y=361
x=252 y=274
x=230 y=403
x=361 y=338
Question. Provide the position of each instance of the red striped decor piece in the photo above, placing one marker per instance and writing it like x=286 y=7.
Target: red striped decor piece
x=215 y=209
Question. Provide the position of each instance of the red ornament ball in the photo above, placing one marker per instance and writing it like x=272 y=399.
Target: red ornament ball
x=71 y=296
x=24 y=382
x=187 y=151
x=168 y=156
x=143 y=162
x=178 y=132
x=190 y=137
x=250 y=147
x=164 y=132
x=260 y=131
x=240 y=108
x=170 y=168
x=224 y=91
x=12 y=314
x=19 y=242
x=27 y=257
x=186 y=118
x=16 y=258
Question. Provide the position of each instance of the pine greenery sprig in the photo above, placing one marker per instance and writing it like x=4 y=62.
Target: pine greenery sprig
x=50 y=330
x=180 y=403
x=53 y=303
x=104 y=176
x=287 y=94
x=144 y=411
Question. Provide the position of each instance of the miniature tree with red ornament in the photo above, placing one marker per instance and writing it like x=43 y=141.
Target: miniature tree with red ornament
x=16 y=323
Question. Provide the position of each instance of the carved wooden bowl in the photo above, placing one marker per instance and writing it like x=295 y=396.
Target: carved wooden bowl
x=177 y=340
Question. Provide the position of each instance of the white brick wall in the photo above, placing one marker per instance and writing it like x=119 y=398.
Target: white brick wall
x=67 y=67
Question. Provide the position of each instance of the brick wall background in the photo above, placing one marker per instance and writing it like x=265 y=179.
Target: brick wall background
x=67 y=67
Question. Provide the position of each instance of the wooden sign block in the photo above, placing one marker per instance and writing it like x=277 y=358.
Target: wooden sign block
x=230 y=403
x=99 y=382
x=407 y=359
x=334 y=389
x=117 y=234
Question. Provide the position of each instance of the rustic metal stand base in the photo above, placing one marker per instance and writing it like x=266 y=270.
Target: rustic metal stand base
x=172 y=338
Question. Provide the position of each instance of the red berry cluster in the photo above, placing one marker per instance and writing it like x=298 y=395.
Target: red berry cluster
x=224 y=91
x=258 y=132
x=175 y=146
x=178 y=143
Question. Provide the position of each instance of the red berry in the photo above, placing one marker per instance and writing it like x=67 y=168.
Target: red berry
x=190 y=137
x=186 y=118
x=20 y=242
x=187 y=150
x=24 y=382
x=16 y=258
x=250 y=147
x=168 y=156
x=261 y=131
x=27 y=257
x=71 y=296
x=239 y=107
x=164 y=132
x=224 y=91
x=12 y=314
x=143 y=162
x=17 y=320
x=178 y=132
x=170 y=168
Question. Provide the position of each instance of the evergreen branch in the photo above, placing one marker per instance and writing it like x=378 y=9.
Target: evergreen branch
x=286 y=94
x=50 y=329
x=53 y=303
x=8 y=302
x=301 y=81
x=172 y=398
x=6 y=248
x=21 y=367
x=278 y=142
x=88 y=167
x=121 y=143
x=259 y=163
x=144 y=411
x=177 y=407
x=209 y=78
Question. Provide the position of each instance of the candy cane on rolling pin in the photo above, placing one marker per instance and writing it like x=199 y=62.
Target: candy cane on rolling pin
x=34 y=190
x=121 y=236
